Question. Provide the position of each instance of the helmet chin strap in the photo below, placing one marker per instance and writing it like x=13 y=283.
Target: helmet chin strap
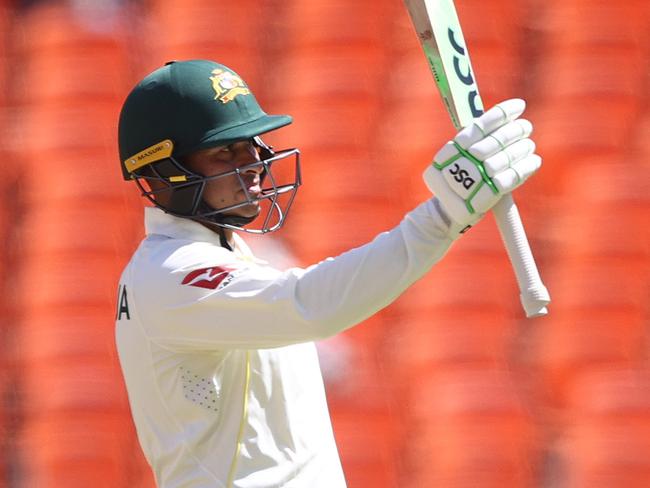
x=222 y=238
x=220 y=218
x=234 y=220
x=219 y=222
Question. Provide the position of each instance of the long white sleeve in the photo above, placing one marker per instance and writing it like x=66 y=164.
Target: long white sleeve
x=260 y=307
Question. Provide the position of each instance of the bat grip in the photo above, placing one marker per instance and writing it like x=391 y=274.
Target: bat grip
x=533 y=294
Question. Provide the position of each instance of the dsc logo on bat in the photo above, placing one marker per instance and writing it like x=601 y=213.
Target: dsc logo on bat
x=466 y=79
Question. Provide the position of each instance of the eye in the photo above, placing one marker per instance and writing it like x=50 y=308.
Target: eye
x=221 y=154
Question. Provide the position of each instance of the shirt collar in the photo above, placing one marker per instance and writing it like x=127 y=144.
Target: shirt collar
x=158 y=222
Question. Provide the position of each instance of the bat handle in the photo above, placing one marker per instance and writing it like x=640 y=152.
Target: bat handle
x=534 y=295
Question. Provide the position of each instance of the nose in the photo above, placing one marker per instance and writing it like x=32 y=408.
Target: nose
x=246 y=162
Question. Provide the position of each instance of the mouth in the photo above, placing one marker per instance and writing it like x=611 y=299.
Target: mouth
x=252 y=187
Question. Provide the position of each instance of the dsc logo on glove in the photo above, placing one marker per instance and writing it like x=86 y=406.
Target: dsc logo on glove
x=462 y=176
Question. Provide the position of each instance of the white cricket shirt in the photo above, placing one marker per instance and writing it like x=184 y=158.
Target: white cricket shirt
x=217 y=348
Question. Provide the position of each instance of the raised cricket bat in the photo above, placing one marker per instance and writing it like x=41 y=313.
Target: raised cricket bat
x=437 y=26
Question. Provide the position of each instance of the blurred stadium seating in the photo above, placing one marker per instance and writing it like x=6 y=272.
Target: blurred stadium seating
x=448 y=387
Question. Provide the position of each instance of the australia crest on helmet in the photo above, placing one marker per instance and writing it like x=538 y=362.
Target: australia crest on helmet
x=227 y=85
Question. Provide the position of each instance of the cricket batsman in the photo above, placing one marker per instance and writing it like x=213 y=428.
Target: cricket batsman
x=217 y=347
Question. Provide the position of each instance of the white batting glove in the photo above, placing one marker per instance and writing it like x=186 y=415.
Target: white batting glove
x=485 y=160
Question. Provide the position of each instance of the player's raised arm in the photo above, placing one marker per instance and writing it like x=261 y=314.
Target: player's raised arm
x=200 y=296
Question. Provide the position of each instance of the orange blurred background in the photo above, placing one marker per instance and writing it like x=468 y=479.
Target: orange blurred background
x=450 y=386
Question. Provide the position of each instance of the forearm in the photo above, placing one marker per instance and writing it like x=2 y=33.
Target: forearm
x=340 y=292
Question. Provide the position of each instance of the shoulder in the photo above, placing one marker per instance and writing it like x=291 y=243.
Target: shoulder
x=170 y=253
x=162 y=260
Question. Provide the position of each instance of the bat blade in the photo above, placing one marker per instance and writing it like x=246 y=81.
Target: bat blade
x=438 y=28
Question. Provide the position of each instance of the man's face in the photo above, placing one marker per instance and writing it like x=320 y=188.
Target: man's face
x=226 y=191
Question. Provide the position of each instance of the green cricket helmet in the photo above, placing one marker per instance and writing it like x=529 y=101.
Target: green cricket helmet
x=186 y=106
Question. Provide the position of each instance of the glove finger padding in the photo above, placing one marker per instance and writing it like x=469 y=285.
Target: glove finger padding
x=491 y=157
x=518 y=173
x=490 y=121
x=501 y=138
x=510 y=155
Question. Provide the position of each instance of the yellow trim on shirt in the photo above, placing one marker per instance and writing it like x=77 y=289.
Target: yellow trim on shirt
x=242 y=424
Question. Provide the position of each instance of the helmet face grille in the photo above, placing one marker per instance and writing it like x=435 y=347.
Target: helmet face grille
x=179 y=192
